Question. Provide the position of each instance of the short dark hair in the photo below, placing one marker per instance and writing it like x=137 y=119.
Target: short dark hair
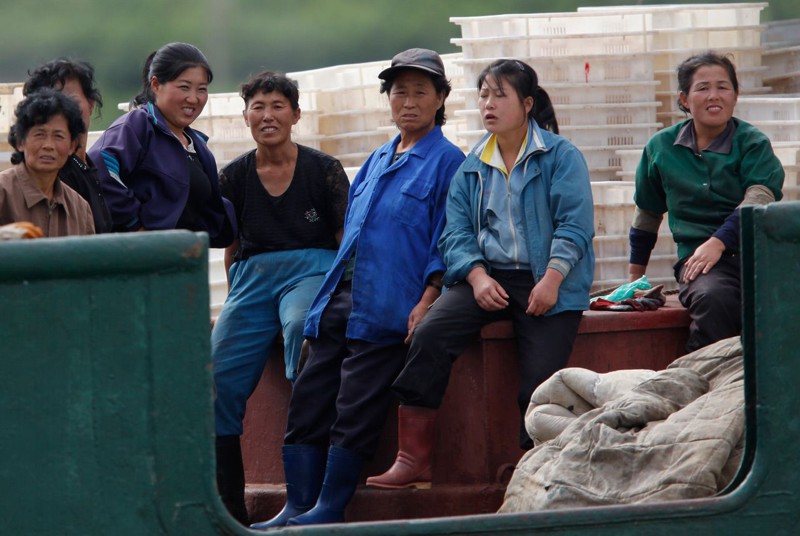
x=440 y=84
x=54 y=74
x=166 y=64
x=37 y=109
x=689 y=66
x=267 y=82
x=525 y=82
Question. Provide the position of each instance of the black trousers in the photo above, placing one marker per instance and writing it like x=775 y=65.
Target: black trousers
x=544 y=343
x=343 y=393
x=714 y=301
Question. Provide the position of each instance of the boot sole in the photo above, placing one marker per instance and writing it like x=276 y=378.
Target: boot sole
x=414 y=485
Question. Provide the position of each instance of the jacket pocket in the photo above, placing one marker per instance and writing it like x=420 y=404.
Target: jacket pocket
x=412 y=205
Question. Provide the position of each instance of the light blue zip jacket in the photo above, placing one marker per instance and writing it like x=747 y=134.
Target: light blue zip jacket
x=558 y=213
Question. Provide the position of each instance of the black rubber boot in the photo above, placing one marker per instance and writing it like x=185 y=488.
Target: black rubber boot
x=230 y=476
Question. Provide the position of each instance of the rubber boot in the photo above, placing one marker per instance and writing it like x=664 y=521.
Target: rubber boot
x=230 y=476
x=341 y=478
x=416 y=428
x=304 y=467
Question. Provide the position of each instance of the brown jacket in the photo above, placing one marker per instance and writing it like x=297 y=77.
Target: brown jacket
x=21 y=200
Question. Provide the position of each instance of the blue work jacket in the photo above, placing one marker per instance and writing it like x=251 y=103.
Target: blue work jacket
x=394 y=218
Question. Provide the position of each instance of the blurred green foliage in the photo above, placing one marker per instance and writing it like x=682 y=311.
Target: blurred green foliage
x=241 y=37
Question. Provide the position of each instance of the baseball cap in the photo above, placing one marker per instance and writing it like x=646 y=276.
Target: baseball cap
x=415 y=58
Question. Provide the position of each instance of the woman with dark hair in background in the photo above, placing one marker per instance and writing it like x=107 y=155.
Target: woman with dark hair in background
x=75 y=79
x=156 y=171
x=517 y=245
x=386 y=274
x=701 y=171
x=46 y=131
x=290 y=202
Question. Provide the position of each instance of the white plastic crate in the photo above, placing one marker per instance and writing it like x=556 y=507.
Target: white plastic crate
x=613 y=219
x=517 y=46
x=610 y=135
x=606 y=156
x=584 y=114
x=613 y=192
x=491 y=26
x=354 y=120
x=632 y=93
x=688 y=38
x=629 y=159
x=574 y=69
x=778 y=131
x=688 y=15
x=768 y=109
x=353 y=142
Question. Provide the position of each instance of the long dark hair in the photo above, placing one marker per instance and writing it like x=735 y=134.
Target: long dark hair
x=689 y=66
x=166 y=64
x=525 y=82
x=37 y=109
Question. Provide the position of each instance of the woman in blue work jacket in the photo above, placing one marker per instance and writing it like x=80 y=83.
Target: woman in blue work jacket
x=386 y=275
x=517 y=245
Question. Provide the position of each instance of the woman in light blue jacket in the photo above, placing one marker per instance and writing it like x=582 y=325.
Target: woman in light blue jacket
x=517 y=245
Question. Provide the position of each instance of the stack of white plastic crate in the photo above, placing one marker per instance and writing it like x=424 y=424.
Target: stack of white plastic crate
x=595 y=67
x=675 y=32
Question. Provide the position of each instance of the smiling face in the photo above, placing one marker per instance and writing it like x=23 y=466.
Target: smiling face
x=414 y=102
x=181 y=100
x=501 y=109
x=710 y=100
x=270 y=117
x=47 y=146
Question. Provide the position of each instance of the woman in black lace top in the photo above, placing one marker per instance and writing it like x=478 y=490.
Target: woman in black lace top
x=290 y=202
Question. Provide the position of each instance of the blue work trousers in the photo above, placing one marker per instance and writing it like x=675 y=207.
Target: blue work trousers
x=269 y=293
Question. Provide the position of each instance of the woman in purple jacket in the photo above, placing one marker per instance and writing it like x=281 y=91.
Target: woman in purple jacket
x=156 y=172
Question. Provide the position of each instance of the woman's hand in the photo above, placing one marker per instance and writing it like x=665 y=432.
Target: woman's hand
x=419 y=311
x=703 y=259
x=544 y=294
x=489 y=294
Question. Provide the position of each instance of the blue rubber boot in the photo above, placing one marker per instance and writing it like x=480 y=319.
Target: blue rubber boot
x=304 y=467
x=341 y=478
